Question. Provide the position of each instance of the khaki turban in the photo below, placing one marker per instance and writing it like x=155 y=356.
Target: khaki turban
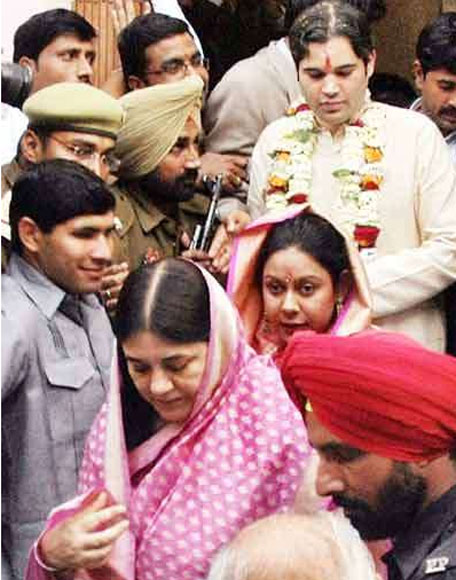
x=155 y=117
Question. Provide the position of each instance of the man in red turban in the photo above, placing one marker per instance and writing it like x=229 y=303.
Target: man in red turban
x=381 y=412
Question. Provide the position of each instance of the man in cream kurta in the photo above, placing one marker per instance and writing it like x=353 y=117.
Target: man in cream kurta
x=415 y=256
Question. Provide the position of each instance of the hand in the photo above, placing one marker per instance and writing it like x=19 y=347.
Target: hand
x=236 y=221
x=232 y=167
x=111 y=284
x=84 y=540
x=199 y=256
x=220 y=251
x=123 y=12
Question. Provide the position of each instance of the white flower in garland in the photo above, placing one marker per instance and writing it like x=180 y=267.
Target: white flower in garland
x=359 y=174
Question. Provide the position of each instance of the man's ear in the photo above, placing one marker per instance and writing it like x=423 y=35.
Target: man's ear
x=29 y=234
x=371 y=64
x=32 y=147
x=135 y=82
x=418 y=74
x=28 y=62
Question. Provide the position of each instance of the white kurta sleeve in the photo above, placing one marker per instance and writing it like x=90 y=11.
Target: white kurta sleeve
x=411 y=276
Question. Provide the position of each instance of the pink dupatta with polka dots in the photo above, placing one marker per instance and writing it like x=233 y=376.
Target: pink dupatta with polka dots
x=240 y=456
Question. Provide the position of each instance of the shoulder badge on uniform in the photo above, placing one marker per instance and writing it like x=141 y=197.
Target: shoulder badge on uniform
x=434 y=565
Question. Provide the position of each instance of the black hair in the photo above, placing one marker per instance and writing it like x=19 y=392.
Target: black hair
x=54 y=192
x=374 y=9
x=142 y=32
x=32 y=37
x=329 y=19
x=171 y=299
x=436 y=46
x=391 y=89
x=311 y=234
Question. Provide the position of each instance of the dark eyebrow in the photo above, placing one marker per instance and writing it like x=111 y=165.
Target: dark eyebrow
x=133 y=359
x=173 y=60
x=340 y=452
x=345 y=67
x=176 y=357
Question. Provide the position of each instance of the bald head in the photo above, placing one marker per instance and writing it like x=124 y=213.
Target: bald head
x=292 y=547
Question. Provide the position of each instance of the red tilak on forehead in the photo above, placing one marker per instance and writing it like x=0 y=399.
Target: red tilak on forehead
x=328 y=65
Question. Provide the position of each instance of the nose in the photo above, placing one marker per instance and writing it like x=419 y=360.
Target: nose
x=85 y=70
x=192 y=158
x=160 y=384
x=102 y=250
x=330 y=86
x=290 y=305
x=329 y=478
x=95 y=164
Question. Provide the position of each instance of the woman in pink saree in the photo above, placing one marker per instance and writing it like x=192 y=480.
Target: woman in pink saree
x=293 y=270
x=197 y=439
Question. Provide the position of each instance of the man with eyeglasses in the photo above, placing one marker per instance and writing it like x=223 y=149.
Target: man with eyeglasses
x=156 y=49
x=72 y=121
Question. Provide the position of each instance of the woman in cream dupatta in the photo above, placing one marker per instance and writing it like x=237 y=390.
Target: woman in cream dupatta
x=350 y=313
x=190 y=486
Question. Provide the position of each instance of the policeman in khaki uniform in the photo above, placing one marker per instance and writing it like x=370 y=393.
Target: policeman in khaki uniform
x=158 y=147
x=72 y=121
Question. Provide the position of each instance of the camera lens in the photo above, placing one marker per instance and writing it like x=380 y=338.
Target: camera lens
x=16 y=83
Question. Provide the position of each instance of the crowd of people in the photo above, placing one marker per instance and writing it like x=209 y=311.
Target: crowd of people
x=280 y=403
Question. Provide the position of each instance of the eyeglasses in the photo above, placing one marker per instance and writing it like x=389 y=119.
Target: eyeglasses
x=83 y=153
x=179 y=66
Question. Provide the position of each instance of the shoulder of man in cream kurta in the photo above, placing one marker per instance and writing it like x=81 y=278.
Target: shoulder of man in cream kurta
x=416 y=257
x=145 y=231
x=253 y=93
x=55 y=374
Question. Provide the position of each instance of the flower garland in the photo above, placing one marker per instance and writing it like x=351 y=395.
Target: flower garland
x=359 y=174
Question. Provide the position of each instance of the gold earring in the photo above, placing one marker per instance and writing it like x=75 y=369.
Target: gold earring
x=339 y=304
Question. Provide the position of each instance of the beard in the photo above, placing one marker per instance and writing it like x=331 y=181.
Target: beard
x=182 y=188
x=399 y=500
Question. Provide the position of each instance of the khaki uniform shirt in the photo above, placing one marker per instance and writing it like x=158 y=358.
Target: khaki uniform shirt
x=147 y=231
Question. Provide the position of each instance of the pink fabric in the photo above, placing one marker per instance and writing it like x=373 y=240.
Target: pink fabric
x=239 y=457
x=356 y=309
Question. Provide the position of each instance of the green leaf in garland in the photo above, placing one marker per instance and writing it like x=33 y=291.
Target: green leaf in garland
x=342 y=173
x=301 y=135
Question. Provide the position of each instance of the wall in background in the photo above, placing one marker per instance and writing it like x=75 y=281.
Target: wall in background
x=19 y=12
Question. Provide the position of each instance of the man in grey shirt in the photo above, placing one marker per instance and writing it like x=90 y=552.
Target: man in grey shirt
x=56 y=343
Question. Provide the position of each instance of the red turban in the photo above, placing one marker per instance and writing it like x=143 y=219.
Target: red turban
x=377 y=391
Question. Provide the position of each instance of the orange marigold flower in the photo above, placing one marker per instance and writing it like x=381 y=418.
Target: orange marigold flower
x=283 y=155
x=371 y=181
x=372 y=154
x=278 y=182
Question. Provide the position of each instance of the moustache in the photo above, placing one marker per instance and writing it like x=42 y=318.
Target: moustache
x=448 y=111
x=349 y=503
x=189 y=176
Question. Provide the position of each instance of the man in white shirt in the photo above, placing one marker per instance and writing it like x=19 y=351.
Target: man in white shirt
x=381 y=173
